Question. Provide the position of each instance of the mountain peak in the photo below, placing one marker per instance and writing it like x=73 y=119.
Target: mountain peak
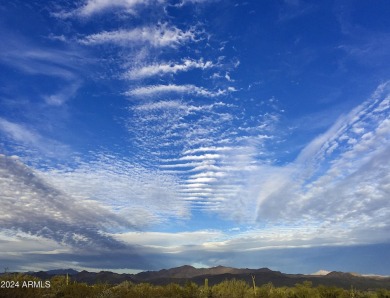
x=338 y=274
x=62 y=271
x=321 y=272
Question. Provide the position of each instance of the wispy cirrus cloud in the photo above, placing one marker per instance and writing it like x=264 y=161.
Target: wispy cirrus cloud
x=340 y=177
x=79 y=206
x=32 y=205
x=213 y=165
x=62 y=96
x=222 y=183
x=172 y=88
x=163 y=106
x=30 y=142
x=252 y=239
x=186 y=2
x=31 y=59
x=206 y=156
x=161 y=35
x=343 y=167
x=159 y=69
x=41 y=62
x=93 y=7
x=124 y=186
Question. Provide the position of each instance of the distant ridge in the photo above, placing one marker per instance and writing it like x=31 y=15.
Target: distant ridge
x=338 y=274
x=62 y=271
x=187 y=271
x=321 y=272
x=215 y=275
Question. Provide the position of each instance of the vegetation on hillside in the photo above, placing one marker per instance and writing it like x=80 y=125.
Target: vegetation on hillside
x=20 y=285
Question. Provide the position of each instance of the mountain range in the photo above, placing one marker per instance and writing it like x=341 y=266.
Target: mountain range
x=215 y=275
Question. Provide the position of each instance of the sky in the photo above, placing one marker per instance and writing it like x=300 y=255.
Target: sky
x=148 y=134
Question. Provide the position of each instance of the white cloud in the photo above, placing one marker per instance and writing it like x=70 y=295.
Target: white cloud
x=186 y=2
x=208 y=174
x=334 y=181
x=169 y=241
x=190 y=185
x=33 y=60
x=252 y=239
x=184 y=165
x=204 y=149
x=163 y=105
x=93 y=7
x=166 y=68
x=209 y=149
x=201 y=157
x=201 y=180
x=19 y=132
x=61 y=97
x=31 y=142
x=146 y=195
x=162 y=35
x=219 y=181
x=65 y=67
x=331 y=165
x=171 y=88
x=32 y=205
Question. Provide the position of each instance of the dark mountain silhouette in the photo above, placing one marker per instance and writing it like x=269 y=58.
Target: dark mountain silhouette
x=102 y=277
x=187 y=271
x=62 y=271
x=215 y=275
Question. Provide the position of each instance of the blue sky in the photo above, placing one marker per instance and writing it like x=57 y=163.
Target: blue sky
x=141 y=135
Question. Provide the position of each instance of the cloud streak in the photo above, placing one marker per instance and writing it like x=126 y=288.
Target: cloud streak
x=93 y=7
x=33 y=206
x=30 y=142
x=172 y=88
x=339 y=178
x=132 y=190
x=159 y=69
x=162 y=35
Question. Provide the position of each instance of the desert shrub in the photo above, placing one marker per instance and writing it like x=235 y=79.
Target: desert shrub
x=382 y=293
x=63 y=287
x=172 y=290
x=122 y=290
x=265 y=290
x=330 y=292
x=305 y=290
x=232 y=289
x=282 y=293
x=144 y=290
x=191 y=290
x=76 y=290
